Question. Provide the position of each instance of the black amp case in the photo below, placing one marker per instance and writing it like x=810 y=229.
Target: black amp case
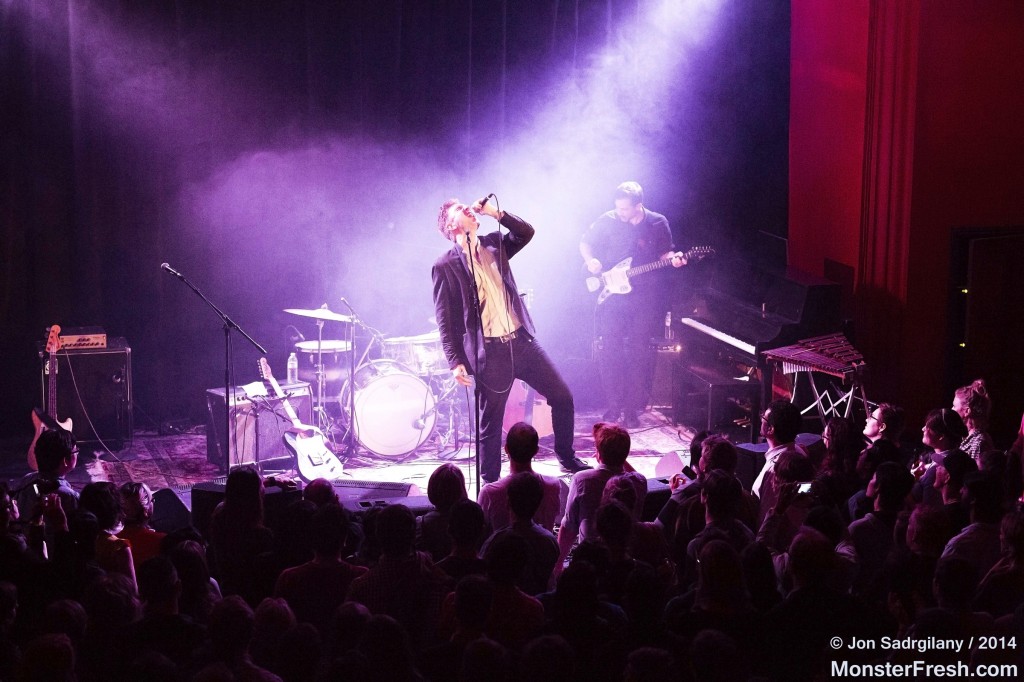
x=93 y=385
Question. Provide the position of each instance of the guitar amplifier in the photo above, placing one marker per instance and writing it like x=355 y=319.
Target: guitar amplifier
x=94 y=388
x=257 y=428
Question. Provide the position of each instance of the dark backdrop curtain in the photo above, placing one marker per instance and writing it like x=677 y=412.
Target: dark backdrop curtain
x=140 y=133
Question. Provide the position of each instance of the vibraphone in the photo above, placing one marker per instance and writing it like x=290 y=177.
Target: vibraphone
x=833 y=355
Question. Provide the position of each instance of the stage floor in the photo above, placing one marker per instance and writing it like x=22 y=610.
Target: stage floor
x=180 y=461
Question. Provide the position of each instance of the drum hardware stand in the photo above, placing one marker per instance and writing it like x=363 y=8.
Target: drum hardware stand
x=323 y=420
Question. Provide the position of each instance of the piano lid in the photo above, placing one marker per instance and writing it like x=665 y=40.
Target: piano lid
x=747 y=306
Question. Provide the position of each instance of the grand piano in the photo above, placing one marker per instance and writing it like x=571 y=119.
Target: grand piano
x=742 y=311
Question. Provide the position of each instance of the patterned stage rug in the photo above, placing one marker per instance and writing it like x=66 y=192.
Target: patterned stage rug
x=176 y=461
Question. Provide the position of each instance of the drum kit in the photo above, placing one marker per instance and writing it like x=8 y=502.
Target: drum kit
x=394 y=399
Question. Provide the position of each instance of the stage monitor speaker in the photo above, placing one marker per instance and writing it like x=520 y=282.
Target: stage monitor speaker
x=94 y=388
x=751 y=456
x=206 y=497
x=658 y=492
x=170 y=513
x=257 y=426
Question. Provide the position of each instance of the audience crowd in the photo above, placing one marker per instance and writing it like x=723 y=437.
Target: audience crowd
x=858 y=539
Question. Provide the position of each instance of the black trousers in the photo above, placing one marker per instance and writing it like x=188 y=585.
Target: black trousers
x=521 y=358
x=626 y=325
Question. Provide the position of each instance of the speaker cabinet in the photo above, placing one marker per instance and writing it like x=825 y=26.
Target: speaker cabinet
x=206 y=496
x=94 y=388
x=257 y=427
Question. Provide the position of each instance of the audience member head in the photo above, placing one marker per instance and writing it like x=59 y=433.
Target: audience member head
x=715 y=657
x=720 y=583
x=231 y=627
x=928 y=530
x=329 y=528
x=103 y=499
x=952 y=471
x=473 y=598
x=842 y=445
x=943 y=430
x=811 y=558
x=1011 y=537
x=974 y=404
x=466 y=524
x=445 y=487
x=781 y=422
x=697 y=446
x=793 y=467
x=385 y=643
x=298 y=653
x=716 y=452
x=271 y=620
x=159 y=586
x=111 y=603
x=189 y=559
x=614 y=524
x=521 y=443
x=348 y=622
x=137 y=503
x=396 y=530
x=721 y=495
x=485 y=659
x=619 y=488
x=319 y=491
x=954 y=583
x=65 y=616
x=650 y=664
x=548 y=659
x=886 y=421
x=612 y=443
x=890 y=486
x=56 y=452
x=828 y=522
x=576 y=591
x=506 y=558
x=525 y=493
x=8 y=509
x=243 y=495
x=984 y=496
x=47 y=657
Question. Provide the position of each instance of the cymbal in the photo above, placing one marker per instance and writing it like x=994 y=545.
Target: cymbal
x=320 y=314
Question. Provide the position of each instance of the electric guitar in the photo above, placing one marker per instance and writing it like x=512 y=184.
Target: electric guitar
x=312 y=457
x=616 y=280
x=47 y=421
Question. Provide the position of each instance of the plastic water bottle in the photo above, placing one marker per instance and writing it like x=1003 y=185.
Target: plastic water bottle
x=669 y=334
x=293 y=369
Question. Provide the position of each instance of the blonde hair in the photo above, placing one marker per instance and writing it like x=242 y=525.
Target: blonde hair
x=977 y=402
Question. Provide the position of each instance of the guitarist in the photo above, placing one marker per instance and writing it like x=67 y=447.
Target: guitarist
x=625 y=324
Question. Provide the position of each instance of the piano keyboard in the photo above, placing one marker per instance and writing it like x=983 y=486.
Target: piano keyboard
x=721 y=336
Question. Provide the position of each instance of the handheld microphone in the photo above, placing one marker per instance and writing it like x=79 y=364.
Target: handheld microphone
x=483 y=202
x=167 y=268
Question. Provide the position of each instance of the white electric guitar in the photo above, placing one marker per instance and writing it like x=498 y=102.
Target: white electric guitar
x=617 y=279
x=313 y=459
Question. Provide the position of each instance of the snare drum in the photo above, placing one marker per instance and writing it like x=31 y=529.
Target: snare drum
x=422 y=354
x=336 y=364
x=394 y=409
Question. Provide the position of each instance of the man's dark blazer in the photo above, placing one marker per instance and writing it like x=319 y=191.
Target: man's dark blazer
x=454 y=291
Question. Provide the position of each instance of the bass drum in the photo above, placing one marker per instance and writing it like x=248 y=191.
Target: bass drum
x=394 y=408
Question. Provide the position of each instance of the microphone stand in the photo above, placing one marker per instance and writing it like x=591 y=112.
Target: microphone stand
x=350 y=447
x=229 y=324
x=476 y=359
